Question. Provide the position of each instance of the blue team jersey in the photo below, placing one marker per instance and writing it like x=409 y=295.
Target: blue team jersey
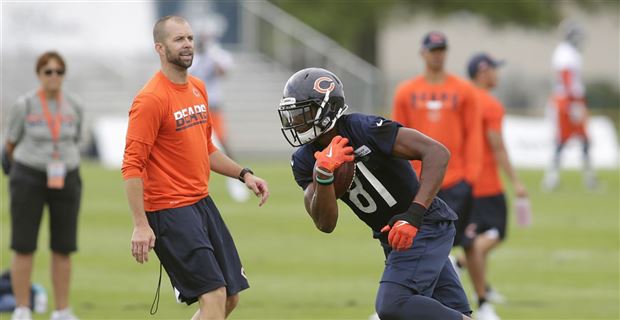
x=383 y=185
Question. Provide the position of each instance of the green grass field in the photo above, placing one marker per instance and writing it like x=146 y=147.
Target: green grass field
x=565 y=266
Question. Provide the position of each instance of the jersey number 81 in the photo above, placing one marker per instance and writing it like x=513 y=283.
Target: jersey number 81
x=357 y=192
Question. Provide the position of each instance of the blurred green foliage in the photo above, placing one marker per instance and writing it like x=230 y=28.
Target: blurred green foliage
x=602 y=94
x=354 y=24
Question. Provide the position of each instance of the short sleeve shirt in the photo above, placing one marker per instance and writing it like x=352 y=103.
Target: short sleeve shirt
x=28 y=128
x=168 y=142
x=489 y=182
x=383 y=185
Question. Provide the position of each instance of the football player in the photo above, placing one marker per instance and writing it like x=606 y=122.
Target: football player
x=211 y=65
x=415 y=228
x=569 y=105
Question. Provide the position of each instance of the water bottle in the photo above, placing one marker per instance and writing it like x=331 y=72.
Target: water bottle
x=40 y=299
x=524 y=211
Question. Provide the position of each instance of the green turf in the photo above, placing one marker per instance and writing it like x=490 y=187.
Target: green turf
x=564 y=267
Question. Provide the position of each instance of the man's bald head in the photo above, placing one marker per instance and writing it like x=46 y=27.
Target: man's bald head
x=159 y=30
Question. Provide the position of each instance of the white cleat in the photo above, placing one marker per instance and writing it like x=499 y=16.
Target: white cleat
x=493 y=296
x=237 y=190
x=64 y=314
x=487 y=312
x=551 y=181
x=590 y=181
x=21 y=313
x=374 y=316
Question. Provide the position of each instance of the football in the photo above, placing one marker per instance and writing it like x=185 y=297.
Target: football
x=343 y=178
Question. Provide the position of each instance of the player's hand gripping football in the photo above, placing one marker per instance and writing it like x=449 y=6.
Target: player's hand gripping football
x=336 y=153
x=404 y=227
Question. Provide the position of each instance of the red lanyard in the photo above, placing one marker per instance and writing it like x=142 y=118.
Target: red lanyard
x=52 y=123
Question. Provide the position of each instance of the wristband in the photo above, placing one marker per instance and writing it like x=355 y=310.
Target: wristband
x=325 y=182
x=414 y=215
x=417 y=211
x=324 y=172
x=243 y=172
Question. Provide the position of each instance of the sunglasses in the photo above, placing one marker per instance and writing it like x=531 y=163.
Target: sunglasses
x=49 y=72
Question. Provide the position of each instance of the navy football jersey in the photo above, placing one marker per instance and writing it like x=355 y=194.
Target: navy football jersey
x=383 y=185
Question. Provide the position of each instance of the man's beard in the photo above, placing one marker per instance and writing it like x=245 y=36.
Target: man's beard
x=176 y=60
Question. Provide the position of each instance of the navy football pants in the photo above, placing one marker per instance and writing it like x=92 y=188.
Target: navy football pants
x=420 y=283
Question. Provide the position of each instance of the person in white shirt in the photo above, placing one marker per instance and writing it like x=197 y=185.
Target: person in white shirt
x=568 y=104
x=211 y=64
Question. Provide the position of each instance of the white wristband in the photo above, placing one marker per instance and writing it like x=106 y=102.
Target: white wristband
x=323 y=172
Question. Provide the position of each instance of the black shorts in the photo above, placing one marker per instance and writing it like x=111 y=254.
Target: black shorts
x=197 y=250
x=489 y=214
x=459 y=198
x=29 y=194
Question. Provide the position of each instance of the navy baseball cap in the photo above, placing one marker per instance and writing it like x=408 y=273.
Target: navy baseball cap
x=435 y=40
x=480 y=62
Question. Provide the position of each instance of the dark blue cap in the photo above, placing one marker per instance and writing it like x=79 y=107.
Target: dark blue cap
x=435 y=40
x=480 y=62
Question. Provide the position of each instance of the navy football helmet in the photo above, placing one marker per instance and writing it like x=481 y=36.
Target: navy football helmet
x=313 y=100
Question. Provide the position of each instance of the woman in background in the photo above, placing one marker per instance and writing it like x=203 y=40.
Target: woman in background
x=43 y=131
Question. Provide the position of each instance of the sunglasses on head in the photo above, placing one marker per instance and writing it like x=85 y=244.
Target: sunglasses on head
x=49 y=72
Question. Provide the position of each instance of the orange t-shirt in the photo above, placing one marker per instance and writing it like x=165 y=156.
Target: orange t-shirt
x=488 y=182
x=449 y=113
x=168 y=142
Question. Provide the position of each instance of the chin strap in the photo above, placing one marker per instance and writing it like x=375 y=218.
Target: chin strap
x=320 y=111
x=338 y=115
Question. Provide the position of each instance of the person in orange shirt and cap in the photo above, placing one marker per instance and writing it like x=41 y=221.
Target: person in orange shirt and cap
x=487 y=225
x=444 y=107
